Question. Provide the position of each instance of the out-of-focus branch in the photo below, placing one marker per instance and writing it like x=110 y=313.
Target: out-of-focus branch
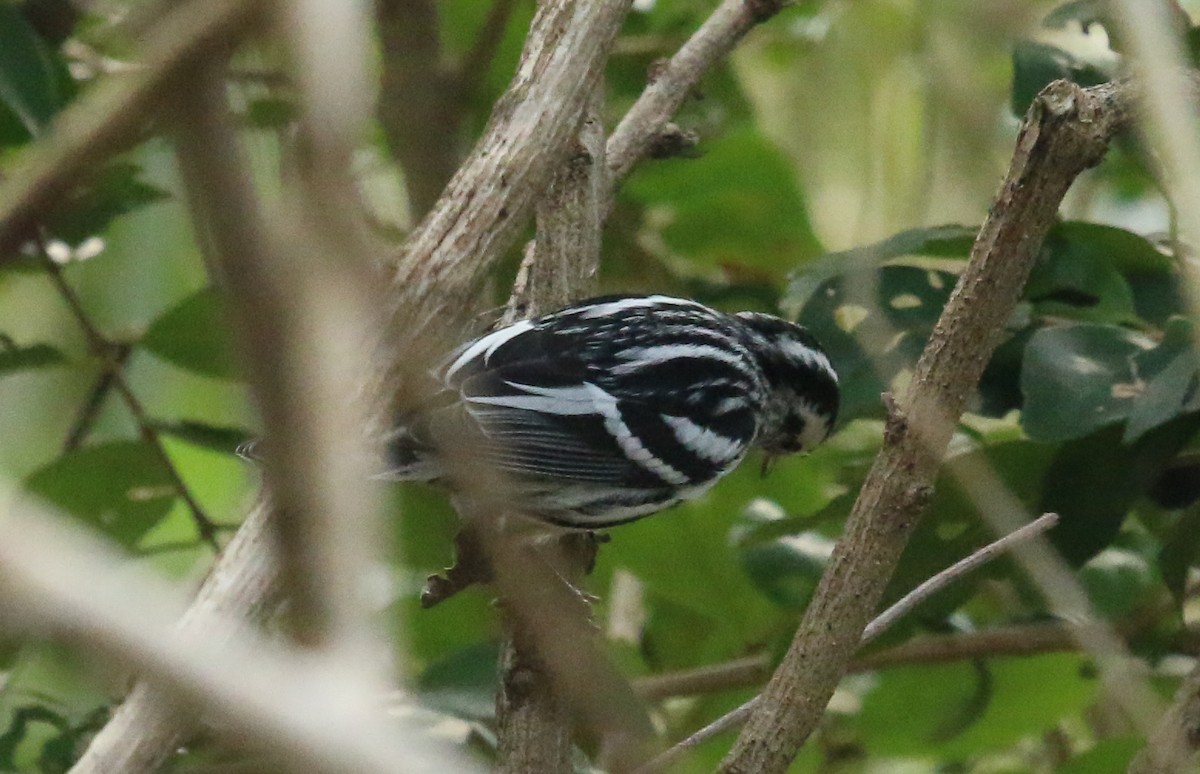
x=111 y=115
x=1066 y=131
x=147 y=726
x=534 y=726
x=641 y=128
x=419 y=109
x=1174 y=747
x=58 y=582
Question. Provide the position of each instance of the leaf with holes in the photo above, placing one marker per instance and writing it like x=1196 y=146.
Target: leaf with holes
x=1077 y=379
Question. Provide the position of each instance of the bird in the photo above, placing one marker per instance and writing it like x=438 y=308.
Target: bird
x=614 y=408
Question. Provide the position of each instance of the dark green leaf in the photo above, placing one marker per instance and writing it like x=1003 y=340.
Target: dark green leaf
x=33 y=81
x=1100 y=273
x=121 y=488
x=870 y=340
x=1036 y=65
x=763 y=224
x=1077 y=379
x=949 y=241
x=1095 y=480
x=193 y=335
x=14 y=358
x=116 y=190
x=463 y=683
x=1168 y=381
x=215 y=437
x=1181 y=552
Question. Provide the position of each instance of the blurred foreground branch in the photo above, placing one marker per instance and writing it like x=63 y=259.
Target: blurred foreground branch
x=290 y=705
x=110 y=117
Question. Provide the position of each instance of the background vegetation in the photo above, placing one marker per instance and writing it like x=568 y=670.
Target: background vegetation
x=845 y=156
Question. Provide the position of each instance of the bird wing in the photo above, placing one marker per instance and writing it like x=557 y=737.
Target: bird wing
x=540 y=419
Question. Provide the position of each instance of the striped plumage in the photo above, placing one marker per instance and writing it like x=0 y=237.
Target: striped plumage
x=616 y=407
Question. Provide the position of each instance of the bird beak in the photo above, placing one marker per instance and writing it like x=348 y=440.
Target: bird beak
x=768 y=462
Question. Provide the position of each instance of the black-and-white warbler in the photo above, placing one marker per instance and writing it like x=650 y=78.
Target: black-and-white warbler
x=616 y=407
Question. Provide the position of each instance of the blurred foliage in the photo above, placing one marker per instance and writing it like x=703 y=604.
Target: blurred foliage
x=835 y=147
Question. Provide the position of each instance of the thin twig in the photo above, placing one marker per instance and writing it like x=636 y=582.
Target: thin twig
x=878 y=626
x=102 y=348
x=90 y=409
x=953 y=573
x=674 y=81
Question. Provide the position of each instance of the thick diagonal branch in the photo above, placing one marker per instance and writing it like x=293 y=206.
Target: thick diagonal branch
x=1067 y=130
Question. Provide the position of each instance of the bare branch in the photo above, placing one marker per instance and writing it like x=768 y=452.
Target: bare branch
x=534 y=729
x=492 y=194
x=639 y=130
x=1174 y=747
x=739 y=673
x=1066 y=131
x=146 y=727
x=953 y=573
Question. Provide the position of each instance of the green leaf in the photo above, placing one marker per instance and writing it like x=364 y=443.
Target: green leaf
x=764 y=222
x=949 y=241
x=871 y=339
x=463 y=683
x=788 y=570
x=1119 y=582
x=34 y=84
x=15 y=358
x=1077 y=379
x=215 y=437
x=115 y=190
x=1169 y=381
x=1100 y=273
x=1036 y=65
x=193 y=335
x=1109 y=756
x=894 y=725
x=121 y=488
